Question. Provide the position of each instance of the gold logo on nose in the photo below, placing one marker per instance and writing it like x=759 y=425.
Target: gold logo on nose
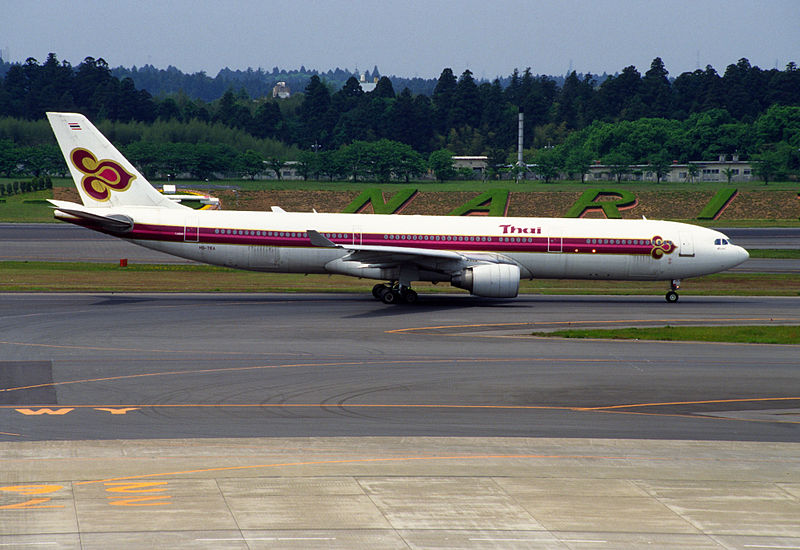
x=661 y=247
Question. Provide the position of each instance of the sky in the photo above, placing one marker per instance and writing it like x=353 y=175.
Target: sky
x=408 y=38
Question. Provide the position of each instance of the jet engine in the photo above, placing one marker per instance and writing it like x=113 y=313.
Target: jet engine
x=489 y=280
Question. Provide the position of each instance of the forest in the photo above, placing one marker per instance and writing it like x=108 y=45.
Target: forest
x=628 y=118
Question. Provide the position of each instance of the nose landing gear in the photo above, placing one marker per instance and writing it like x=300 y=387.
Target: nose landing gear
x=672 y=295
x=394 y=293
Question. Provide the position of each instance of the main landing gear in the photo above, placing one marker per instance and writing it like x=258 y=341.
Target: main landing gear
x=394 y=293
x=672 y=295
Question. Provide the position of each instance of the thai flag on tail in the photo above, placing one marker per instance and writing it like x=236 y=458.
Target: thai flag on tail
x=74 y=126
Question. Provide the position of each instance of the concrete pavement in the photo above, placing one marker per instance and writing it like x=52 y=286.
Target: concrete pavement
x=400 y=493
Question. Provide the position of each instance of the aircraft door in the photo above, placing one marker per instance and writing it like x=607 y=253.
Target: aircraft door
x=191 y=231
x=357 y=235
x=686 y=247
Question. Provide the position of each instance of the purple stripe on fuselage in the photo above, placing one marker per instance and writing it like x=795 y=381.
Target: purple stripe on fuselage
x=482 y=243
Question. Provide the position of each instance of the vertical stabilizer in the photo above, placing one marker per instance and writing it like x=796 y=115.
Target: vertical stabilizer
x=103 y=176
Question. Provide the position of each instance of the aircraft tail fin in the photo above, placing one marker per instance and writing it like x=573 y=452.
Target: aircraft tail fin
x=103 y=176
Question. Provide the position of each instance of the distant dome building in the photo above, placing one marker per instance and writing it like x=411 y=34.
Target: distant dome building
x=281 y=90
x=367 y=86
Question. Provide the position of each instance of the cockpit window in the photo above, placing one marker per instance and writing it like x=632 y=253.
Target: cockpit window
x=721 y=242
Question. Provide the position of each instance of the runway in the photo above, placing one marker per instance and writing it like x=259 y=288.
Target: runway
x=336 y=365
x=764 y=237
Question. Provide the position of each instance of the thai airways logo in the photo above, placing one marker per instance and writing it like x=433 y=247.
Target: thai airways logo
x=661 y=247
x=100 y=176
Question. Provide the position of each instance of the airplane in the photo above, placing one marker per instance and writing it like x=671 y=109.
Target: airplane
x=487 y=256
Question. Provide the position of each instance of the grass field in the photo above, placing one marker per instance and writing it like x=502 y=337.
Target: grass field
x=31 y=207
x=26 y=207
x=736 y=334
x=775 y=253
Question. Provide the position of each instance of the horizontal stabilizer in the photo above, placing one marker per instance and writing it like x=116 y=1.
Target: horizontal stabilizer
x=117 y=223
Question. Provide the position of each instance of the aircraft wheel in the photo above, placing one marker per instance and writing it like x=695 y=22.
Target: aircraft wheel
x=390 y=297
x=378 y=290
x=410 y=296
x=672 y=296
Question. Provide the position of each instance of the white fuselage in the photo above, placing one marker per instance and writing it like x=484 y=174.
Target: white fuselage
x=541 y=247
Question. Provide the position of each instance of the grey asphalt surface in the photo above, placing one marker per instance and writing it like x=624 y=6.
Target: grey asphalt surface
x=764 y=237
x=64 y=242
x=768 y=265
x=279 y=365
x=334 y=421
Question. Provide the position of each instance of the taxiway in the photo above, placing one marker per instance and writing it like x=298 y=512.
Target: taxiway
x=333 y=421
x=342 y=365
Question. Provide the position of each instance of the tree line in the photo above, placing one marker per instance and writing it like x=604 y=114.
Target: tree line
x=690 y=117
x=17 y=187
x=771 y=142
x=257 y=83
x=383 y=160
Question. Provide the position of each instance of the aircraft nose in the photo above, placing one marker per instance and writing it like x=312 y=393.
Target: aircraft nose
x=738 y=255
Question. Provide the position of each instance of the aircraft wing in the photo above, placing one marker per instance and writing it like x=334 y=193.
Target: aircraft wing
x=391 y=256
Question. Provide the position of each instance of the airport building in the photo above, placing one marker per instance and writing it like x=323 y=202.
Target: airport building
x=708 y=171
x=477 y=163
x=711 y=170
x=693 y=171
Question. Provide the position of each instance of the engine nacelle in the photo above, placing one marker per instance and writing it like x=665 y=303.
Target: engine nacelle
x=490 y=280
